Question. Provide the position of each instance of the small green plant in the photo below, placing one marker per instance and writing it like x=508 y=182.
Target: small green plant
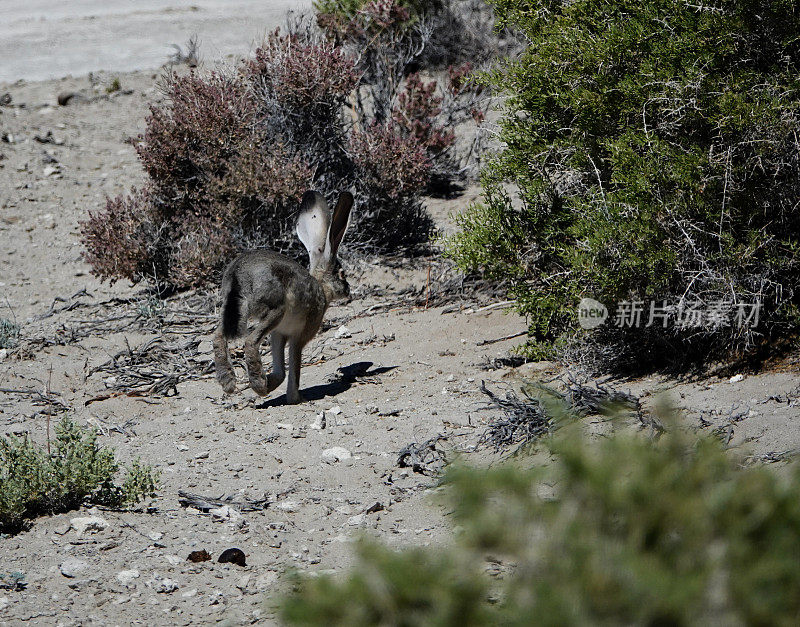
x=113 y=86
x=71 y=469
x=150 y=308
x=617 y=530
x=9 y=333
x=14 y=581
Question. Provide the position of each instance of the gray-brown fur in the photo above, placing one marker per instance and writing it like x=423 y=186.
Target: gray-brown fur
x=282 y=298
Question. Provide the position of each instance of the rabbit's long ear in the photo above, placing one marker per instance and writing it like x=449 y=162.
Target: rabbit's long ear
x=340 y=222
x=312 y=227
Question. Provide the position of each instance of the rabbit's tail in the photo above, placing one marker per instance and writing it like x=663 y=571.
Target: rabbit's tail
x=232 y=310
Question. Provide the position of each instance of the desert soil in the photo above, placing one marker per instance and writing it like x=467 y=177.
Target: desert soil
x=410 y=373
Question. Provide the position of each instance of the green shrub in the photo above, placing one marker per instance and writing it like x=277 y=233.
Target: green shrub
x=37 y=480
x=9 y=333
x=649 y=155
x=615 y=530
x=415 y=587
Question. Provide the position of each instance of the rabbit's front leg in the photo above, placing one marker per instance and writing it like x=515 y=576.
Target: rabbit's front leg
x=293 y=395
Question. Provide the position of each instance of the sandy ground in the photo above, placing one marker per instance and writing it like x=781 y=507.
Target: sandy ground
x=41 y=39
x=418 y=373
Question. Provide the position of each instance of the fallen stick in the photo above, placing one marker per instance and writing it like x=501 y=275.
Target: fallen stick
x=501 y=339
x=205 y=503
x=505 y=303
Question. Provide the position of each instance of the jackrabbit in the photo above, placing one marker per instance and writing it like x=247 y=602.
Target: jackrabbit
x=283 y=298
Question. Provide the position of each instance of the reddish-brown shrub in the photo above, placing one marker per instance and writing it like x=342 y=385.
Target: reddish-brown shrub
x=200 y=250
x=418 y=107
x=393 y=164
x=301 y=73
x=228 y=155
x=117 y=239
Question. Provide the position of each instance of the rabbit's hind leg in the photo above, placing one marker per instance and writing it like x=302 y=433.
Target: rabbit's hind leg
x=252 y=355
x=222 y=362
x=277 y=344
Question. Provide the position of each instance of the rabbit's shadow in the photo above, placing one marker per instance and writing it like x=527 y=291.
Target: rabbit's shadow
x=342 y=380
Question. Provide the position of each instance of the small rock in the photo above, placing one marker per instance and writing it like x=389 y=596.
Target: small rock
x=51 y=170
x=3 y=353
x=155 y=536
x=319 y=422
x=174 y=560
x=335 y=454
x=4 y=603
x=226 y=512
x=86 y=524
x=126 y=577
x=342 y=332
x=375 y=507
x=243 y=583
x=736 y=378
x=287 y=506
x=335 y=410
x=65 y=98
x=233 y=556
x=189 y=593
x=163 y=586
x=203 y=455
x=199 y=556
x=284 y=425
x=357 y=520
x=72 y=567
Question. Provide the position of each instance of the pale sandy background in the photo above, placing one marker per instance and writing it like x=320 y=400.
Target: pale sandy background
x=42 y=39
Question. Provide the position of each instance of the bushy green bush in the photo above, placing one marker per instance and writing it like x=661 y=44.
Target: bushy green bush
x=650 y=156
x=37 y=480
x=616 y=530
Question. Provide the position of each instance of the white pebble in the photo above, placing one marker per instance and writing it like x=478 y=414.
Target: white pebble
x=335 y=454
x=88 y=523
x=126 y=577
